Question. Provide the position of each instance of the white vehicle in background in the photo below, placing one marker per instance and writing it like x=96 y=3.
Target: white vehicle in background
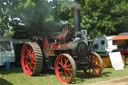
x=6 y=50
x=103 y=44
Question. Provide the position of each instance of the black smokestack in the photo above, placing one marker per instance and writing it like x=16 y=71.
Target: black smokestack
x=76 y=15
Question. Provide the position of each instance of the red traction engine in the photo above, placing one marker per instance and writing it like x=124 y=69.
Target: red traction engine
x=64 y=51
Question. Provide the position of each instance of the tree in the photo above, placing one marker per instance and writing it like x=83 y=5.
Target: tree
x=101 y=17
x=38 y=17
x=28 y=17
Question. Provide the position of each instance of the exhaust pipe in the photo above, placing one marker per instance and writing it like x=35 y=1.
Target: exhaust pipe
x=76 y=15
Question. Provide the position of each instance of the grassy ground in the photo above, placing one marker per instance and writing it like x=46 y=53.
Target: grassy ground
x=17 y=77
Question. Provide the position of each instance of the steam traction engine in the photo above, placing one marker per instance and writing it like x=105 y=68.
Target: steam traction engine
x=64 y=51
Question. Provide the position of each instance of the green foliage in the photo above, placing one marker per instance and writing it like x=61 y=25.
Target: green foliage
x=101 y=17
x=29 y=3
x=39 y=17
x=27 y=17
x=9 y=32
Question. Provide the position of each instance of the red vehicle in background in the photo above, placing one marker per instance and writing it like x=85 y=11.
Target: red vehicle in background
x=122 y=42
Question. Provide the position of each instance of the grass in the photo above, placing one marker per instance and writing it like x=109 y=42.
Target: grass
x=17 y=77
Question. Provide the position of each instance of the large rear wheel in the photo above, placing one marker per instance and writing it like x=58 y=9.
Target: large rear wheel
x=65 y=68
x=31 y=59
x=95 y=65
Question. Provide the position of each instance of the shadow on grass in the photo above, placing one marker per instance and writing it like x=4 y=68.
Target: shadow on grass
x=4 y=82
x=46 y=73
x=105 y=74
x=81 y=77
x=13 y=70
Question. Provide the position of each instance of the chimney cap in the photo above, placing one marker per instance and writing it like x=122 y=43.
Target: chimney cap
x=76 y=8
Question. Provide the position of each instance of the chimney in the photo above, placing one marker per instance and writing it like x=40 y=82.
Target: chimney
x=76 y=15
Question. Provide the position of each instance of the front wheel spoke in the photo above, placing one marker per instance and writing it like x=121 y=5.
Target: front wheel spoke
x=69 y=65
x=61 y=74
x=70 y=73
x=66 y=61
x=58 y=67
x=66 y=76
x=69 y=69
x=60 y=63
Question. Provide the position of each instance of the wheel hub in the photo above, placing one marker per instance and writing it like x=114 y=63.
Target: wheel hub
x=62 y=68
x=28 y=58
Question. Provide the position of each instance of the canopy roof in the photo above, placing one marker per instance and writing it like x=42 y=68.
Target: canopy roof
x=120 y=37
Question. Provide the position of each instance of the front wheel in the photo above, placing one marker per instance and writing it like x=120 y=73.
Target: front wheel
x=95 y=65
x=65 y=68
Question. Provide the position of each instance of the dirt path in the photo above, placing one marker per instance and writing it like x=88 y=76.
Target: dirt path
x=119 y=81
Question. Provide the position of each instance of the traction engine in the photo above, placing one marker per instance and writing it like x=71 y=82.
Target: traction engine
x=64 y=51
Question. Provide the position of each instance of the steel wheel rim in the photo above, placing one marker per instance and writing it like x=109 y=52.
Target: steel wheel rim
x=28 y=59
x=94 y=67
x=63 y=69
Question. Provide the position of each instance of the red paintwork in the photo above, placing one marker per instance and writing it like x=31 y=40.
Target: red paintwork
x=45 y=43
x=64 y=75
x=121 y=37
x=59 y=46
x=61 y=37
x=123 y=51
x=54 y=45
x=94 y=66
x=50 y=48
x=28 y=67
